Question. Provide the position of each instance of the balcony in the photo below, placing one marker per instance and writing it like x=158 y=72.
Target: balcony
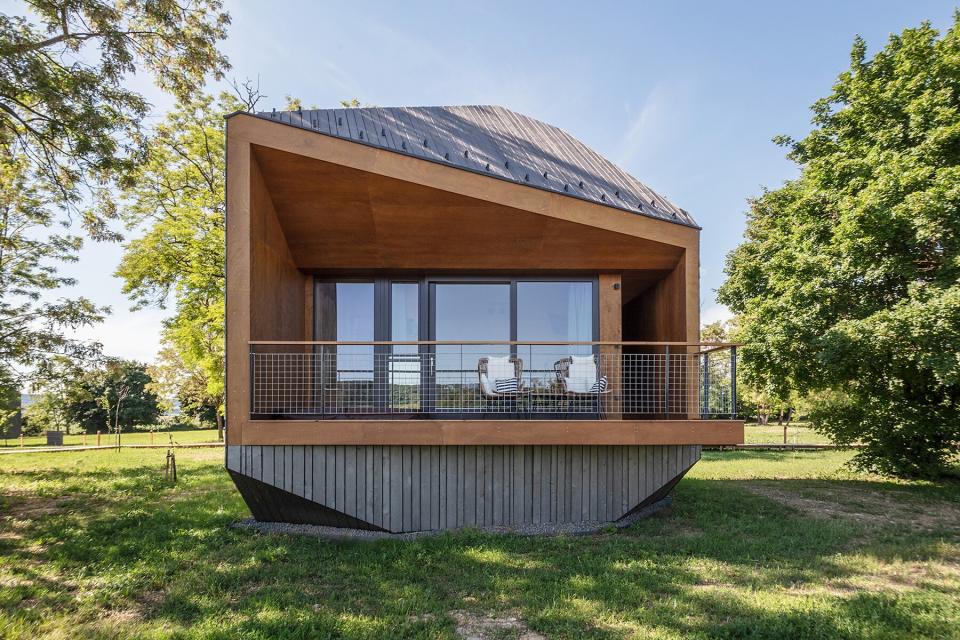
x=507 y=380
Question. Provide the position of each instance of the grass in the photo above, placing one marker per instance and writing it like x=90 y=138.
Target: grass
x=756 y=545
x=134 y=437
x=797 y=433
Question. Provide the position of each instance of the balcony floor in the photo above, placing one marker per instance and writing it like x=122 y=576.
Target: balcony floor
x=491 y=432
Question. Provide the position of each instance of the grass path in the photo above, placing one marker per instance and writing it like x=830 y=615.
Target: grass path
x=756 y=545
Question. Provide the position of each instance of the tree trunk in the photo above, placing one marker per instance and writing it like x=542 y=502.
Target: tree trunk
x=219 y=427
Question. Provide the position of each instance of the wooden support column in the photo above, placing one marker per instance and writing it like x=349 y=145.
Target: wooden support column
x=239 y=158
x=611 y=330
x=691 y=261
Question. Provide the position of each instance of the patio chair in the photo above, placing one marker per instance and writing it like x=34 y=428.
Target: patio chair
x=580 y=376
x=501 y=377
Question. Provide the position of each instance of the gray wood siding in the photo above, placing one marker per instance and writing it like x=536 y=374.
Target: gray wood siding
x=411 y=488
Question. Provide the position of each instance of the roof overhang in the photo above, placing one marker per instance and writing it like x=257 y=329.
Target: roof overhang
x=344 y=205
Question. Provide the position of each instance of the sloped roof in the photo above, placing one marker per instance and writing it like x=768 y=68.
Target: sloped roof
x=493 y=141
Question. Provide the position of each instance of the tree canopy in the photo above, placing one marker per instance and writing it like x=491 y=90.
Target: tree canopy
x=64 y=102
x=32 y=325
x=177 y=205
x=849 y=276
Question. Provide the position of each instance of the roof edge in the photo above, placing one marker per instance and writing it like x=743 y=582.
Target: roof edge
x=363 y=143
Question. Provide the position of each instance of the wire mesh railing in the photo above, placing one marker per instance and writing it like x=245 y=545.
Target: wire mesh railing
x=506 y=380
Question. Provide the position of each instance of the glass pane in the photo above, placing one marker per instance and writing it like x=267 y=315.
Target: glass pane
x=473 y=311
x=467 y=312
x=354 y=311
x=404 y=361
x=405 y=312
x=552 y=312
x=345 y=312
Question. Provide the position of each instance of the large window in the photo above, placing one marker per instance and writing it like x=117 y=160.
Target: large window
x=559 y=312
x=345 y=313
x=444 y=377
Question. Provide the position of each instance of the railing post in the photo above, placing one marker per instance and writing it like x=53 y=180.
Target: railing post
x=666 y=380
x=252 y=386
x=733 y=382
x=705 y=401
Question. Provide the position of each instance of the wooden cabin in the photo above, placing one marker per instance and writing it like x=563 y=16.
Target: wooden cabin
x=448 y=317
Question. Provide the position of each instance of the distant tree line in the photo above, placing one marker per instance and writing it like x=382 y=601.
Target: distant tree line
x=116 y=394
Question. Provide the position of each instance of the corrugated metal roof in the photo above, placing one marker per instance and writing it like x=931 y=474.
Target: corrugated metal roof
x=493 y=141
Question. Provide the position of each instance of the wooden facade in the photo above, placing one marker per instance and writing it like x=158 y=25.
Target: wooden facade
x=302 y=204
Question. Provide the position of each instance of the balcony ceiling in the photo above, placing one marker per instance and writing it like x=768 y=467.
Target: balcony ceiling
x=495 y=142
x=339 y=218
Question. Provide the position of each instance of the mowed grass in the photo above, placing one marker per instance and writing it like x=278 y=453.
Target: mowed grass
x=191 y=436
x=797 y=433
x=756 y=545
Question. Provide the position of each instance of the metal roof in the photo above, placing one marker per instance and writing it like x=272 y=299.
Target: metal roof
x=494 y=141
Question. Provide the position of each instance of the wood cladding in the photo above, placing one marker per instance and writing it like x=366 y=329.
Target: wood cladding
x=341 y=218
x=275 y=282
x=300 y=203
x=486 y=432
x=418 y=488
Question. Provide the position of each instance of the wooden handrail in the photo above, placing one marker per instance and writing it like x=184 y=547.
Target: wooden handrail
x=532 y=343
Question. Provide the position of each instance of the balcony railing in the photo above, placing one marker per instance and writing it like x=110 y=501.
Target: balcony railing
x=505 y=380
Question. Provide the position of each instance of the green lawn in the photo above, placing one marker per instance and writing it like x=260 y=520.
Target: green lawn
x=756 y=545
x=134 y=437
x=797 y=433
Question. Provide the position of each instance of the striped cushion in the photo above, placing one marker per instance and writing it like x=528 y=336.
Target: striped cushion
x=600 y=385
x=506 y=385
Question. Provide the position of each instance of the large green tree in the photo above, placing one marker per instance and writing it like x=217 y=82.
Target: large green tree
x=849 y=276
x=71 y=129
x=33 y=324
x=176 y=206
x=65 y=99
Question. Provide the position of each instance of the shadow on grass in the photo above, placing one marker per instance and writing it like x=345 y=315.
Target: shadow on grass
x=723 y=562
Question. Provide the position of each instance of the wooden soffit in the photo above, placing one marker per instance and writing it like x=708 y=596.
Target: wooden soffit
x=344 y=206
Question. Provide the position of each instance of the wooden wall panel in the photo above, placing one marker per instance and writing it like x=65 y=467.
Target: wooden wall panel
x=277 y=287
x=493 y=432
x=416 y=488
x=340 y=218
x=611 y=318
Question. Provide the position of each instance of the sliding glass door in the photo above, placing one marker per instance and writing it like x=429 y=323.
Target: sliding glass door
x=466 y=312
x=443 y=378
x=559 y=312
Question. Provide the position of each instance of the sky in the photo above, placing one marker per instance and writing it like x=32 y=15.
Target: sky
x=685 y=96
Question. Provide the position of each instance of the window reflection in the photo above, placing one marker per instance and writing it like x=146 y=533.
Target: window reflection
x=559 y=312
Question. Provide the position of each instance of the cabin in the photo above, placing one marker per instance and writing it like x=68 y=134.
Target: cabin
x=449 y=317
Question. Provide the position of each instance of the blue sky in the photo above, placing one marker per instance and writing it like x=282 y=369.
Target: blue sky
x=685 y=96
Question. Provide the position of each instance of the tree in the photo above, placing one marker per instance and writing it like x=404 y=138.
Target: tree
x=177 y=199
x=848 y=280
x=112 y=396
x=49 y=409
x=32 y=328
x=183 y=385
x=63 y=100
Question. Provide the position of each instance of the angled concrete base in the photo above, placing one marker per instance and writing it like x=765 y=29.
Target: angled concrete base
x=429 y=488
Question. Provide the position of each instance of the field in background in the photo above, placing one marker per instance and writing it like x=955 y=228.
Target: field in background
x=756 y=544
x=133 y=437
x=797 y=433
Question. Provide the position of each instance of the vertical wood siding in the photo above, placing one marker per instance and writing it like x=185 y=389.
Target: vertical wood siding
x=411 y=488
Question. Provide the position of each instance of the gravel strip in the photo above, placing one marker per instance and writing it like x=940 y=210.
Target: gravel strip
x=337 y=533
